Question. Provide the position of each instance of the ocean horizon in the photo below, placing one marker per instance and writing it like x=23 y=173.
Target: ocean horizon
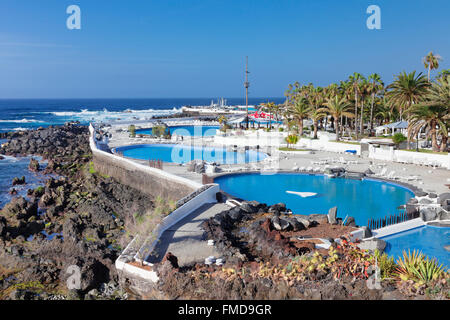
x=25 y=114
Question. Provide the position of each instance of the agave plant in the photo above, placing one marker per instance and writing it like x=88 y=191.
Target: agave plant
x=418 y=268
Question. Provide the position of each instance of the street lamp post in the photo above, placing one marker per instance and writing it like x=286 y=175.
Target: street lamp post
x=246 y=85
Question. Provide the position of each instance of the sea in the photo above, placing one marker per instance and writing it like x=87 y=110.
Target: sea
x=33 y=113
x=27 y=114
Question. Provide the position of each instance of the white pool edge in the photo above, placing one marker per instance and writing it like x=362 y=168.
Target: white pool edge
x=401 y=227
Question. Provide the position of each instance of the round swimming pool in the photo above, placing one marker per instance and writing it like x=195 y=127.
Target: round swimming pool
x=308 y=194
x=177 y=153
x=195 y=131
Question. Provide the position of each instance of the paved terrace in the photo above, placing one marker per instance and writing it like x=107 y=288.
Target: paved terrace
x=186 y=239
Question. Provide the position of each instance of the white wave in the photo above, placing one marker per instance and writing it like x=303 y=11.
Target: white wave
x=22 y=121
x=20 y=129
x=105 y=115
x=9 y=159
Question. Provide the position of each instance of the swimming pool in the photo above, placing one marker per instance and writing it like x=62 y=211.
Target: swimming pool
x=430 y=240
x=177 y=153
x=308 y=194
x=196 y=131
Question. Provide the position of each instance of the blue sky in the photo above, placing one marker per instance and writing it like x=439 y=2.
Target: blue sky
x=197 y=48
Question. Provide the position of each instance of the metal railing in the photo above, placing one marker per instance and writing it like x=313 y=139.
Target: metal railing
x=391 y=220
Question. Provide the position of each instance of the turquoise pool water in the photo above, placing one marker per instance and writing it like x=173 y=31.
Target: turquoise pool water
x=361 y=199
x=428 y=239
x=196 y=131
x=183 y=153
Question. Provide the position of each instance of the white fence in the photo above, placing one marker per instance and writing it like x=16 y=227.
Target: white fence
x=326 y=145
x=387 y=153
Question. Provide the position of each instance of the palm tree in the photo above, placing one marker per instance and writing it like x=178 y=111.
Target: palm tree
x=316 y=115
x=337 y=106
x=431 y=61
x=364 y=89
x=428 y=116
x=439 y=93
x=277 y=109
x=299 y=111
x=383 y=111
x=433 y=112
x=444 y=73
x=269 y=107
x=345 y=88
x=376 y=85
x=406 y=90
x=354 y=80
x=317 y=100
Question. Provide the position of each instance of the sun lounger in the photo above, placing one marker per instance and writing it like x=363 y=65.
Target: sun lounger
x=391 y=176
x=381 y=173
x=342 y=160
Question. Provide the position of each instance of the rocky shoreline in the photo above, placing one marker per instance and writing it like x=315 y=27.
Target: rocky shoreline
x=76 y=220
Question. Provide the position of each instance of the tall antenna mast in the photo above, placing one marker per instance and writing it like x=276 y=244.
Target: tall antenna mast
x=246 y=85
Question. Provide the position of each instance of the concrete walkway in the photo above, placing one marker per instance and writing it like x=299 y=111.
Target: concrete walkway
x=186 y=239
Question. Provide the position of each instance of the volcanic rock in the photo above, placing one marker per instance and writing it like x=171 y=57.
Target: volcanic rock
x=372 y=245
x=18 y=181
x=427 y=214
x=280 y=224
x=34 y=165
x=332 y=213
x=350 y=222
x=443 y=197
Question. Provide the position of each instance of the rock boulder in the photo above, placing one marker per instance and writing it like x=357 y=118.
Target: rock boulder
x=332 y=216
x=427 y=214
x=372 y=245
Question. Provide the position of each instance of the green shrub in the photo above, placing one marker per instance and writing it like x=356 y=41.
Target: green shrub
x=163 y=206
x=132 y=130
x=398 y=138
x=39 y=190
x=158 y=131
x=386 y=264
x=91 y=168
x=291 y=139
